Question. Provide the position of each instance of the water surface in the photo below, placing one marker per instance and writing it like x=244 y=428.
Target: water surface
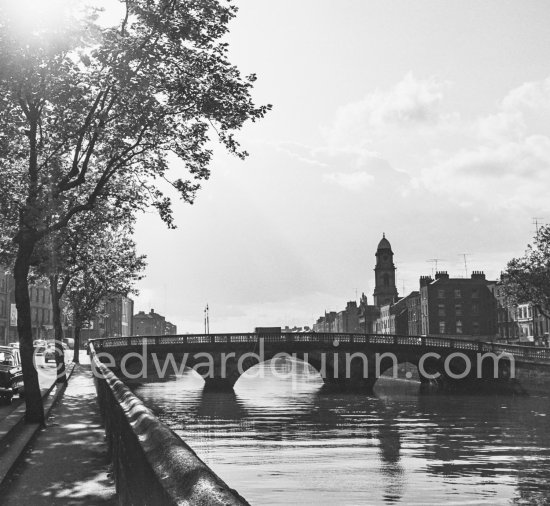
x=290 y=441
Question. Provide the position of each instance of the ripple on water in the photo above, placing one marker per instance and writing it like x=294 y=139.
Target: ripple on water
x=288 y=441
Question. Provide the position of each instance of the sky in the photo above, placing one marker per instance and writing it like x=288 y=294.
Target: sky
x=428 y=121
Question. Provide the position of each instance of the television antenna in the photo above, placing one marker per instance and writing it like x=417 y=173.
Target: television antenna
x=536 y=223
x=465 y=255
x=434 y=261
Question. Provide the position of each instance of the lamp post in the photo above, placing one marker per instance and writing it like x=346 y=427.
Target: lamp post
x=206 y=320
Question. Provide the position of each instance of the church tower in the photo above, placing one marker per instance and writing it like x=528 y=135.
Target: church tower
x=385 y=290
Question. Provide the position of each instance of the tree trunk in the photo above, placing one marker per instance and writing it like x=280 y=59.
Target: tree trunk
x=59 y=353
x=33 y=398
x=76 y=356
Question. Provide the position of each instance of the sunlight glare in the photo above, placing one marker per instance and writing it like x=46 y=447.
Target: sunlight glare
x=36 y=16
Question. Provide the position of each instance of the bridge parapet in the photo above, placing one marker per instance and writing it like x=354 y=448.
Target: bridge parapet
x=425 y=342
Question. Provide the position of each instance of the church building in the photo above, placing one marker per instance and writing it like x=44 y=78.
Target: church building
x=385 y=291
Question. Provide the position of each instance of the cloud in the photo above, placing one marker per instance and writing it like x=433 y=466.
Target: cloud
x=354 y=181
x=410 y=103
x=532 y=95
x=517 y=112
x=353 y=169
x=506 y=124
x=512 y=174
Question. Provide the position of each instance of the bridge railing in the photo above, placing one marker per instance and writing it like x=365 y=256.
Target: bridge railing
x=329 y=338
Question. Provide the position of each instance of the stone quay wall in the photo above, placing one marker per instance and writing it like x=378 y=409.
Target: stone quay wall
x=152 y=465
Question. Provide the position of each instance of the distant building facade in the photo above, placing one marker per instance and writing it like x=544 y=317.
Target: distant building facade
x=286 y=329
x=414 y=314
x=117 y=318
x=41 y=309
x=170 y=329
x=364 y=318
x=508 y=328
x=533 y=325
x=471 y=307
x=458 y=306
x=114 y=319
x=367 y=316
x=152 y=324
x=394 y=317
x=326 y=323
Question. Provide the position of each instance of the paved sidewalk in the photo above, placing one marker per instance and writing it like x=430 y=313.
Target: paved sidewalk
x=67 y=462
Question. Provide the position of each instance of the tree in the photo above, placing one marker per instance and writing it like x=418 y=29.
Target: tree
x=67 y=253
x=107 y=268
x=90 y=114
x=527 y=279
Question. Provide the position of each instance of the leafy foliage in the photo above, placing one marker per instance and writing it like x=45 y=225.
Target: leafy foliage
x=91 y=114
x=527 y=279
x=109 y=266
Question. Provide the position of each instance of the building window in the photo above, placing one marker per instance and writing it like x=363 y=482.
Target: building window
x=459 y=326
x=458 y=293
x=458 y=309
x=441 y=294
x=475 y=309
x=475 y=293
x=442 y=327
x=441 y=309
x=475 y=328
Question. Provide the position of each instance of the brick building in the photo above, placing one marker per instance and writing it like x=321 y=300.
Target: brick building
x=394 y=317
x=508 y=329
x=114 y=319
x=414 y=314
x=326 y=323
x=152 y=324
x=117 y=317
x=458 y=306
x=41 y=309
x=367 y=316
x=170 y=329
x=533 y=326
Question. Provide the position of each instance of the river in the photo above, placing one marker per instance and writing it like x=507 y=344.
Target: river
x=289 y=441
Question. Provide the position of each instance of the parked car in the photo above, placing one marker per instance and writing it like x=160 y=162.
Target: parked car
x=49 y=352
x=11 y=375
x=14 y=345
x=39 y=345
x=69 y=341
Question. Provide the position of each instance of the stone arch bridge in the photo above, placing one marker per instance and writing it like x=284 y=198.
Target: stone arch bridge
x=353 y=361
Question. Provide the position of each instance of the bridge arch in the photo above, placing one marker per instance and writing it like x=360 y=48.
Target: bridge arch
x=226 y=375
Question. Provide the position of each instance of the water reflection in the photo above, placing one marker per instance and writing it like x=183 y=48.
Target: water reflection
x=291 y=441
